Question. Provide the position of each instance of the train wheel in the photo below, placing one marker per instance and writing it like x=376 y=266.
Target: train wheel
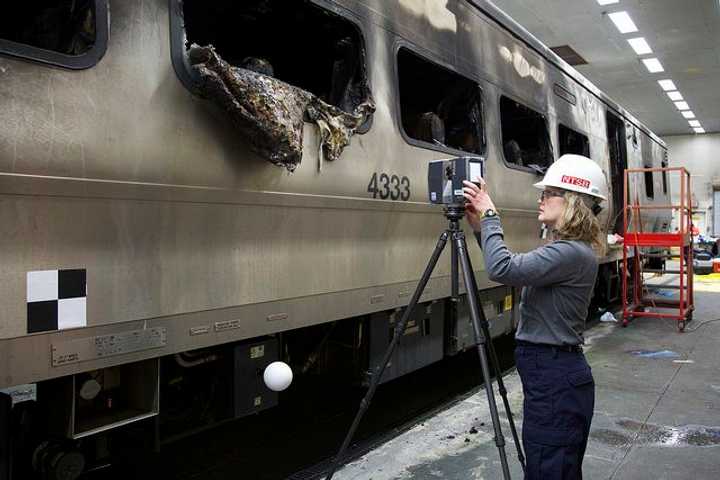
x=58 y=462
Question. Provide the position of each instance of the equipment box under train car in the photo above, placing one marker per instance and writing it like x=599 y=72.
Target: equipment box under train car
x=100 y=400
x=498 y=307
x=421 y=344
x=251 y=395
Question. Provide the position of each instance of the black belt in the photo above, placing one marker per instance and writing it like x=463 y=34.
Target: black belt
x=559 y=348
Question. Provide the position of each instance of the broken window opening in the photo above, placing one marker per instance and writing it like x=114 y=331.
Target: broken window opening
x=67 y=27
x=274 y=64
x=617 y=148
x=572 y=141
x=438 y=106
x=649 y=185
x=525 y=136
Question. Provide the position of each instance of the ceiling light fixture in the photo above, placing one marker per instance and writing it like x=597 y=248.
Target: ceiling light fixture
x=682 y=106
x=640 y=45
x=699 y=130
x=667 y=85
x=695 y=123
x=653 y=65
x=607 y=2
x=675 y=96
x=688 y=114
x=623 y=22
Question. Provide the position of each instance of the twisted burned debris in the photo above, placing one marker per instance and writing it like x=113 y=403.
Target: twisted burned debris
x=270 y=113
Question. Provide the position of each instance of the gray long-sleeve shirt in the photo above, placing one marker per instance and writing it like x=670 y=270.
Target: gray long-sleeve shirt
x=557 y=281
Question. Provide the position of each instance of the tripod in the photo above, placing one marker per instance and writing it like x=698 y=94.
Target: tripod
x=459 y=254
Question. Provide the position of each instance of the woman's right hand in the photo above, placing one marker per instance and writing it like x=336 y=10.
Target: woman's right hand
x=478 y=202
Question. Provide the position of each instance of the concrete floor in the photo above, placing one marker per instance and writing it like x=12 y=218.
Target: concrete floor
x=657 y=414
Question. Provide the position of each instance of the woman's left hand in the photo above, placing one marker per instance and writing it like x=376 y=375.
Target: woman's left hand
x=478 y=201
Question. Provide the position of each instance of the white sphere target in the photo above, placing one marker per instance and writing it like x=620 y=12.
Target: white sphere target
x=278 y=376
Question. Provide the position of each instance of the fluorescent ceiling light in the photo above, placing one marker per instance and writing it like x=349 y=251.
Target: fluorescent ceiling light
x=607 y=2
x=682 y=105
x=688 y=114
x=695 y=123
x=675 y=96
x=623 y=22
x=640 y=45
x=667 y=85
x=699 y=130
x=653 y=65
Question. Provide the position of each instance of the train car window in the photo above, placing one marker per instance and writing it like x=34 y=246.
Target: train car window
x=665 y=174
x=65 y=33
x=649 y=186
x=525 y=137
x=572 y=141
x=438 y=106
x=297 y=42
x=618 y=163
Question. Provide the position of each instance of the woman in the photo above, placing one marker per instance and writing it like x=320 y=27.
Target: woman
x=557 y=281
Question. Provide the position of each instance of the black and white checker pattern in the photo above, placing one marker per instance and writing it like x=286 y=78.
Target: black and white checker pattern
x=56 y=300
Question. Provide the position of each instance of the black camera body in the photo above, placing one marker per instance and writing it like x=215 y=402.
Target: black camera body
x=445 y=178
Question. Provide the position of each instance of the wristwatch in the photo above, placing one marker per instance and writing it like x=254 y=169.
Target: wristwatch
x=489 y=213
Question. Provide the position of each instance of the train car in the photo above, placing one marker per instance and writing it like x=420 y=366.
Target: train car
x=160 y=240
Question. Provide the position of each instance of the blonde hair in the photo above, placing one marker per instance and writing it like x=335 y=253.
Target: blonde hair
x=578 y=222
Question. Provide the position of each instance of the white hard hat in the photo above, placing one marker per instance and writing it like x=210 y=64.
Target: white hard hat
x=577 y=174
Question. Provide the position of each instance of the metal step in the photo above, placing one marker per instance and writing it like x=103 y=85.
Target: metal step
x=664 y=287
x=662 y=302
x=658 y=255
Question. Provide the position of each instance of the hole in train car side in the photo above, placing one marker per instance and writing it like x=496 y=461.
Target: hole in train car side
x=649 y=185
x=617 y=148
x=272 y=66
x=525 y=136
x=572 y=141
x=64 y=33
x=439 y=108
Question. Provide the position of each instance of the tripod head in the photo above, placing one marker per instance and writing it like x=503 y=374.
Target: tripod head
x=454 y=213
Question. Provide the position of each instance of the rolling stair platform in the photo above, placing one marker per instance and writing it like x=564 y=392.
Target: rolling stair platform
x=640 y=246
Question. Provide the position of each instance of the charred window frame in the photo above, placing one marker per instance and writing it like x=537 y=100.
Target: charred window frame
x=633 y=135
x=180 y=43
x=449 y=117
x=649 y=185
x=572 y=141
x=21 y=44
x=665 y=174
x=524 y=137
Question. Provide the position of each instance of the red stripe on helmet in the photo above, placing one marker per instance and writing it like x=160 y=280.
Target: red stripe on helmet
x=580 y=182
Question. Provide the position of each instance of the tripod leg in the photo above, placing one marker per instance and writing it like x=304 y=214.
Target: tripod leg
x=399 y=330
x=454 y=277
x=503 y=394
x=498 y=374
x=477 y=314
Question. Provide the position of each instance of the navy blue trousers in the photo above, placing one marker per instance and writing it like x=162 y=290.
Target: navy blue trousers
x=557 y=411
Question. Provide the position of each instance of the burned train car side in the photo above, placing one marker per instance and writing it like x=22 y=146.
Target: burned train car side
x=165 y=208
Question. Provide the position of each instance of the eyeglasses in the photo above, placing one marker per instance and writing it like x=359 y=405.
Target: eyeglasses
x=545 y=194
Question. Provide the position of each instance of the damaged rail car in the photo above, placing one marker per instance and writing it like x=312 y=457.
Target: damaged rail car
x=190 y=190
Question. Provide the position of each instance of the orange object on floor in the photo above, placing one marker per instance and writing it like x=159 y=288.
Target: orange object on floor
x=716 y=265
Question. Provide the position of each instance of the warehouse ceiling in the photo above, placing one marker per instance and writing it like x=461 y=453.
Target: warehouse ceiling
x=684 y=36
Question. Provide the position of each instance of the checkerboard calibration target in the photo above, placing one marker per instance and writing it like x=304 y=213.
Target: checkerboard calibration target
x=56 y=300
